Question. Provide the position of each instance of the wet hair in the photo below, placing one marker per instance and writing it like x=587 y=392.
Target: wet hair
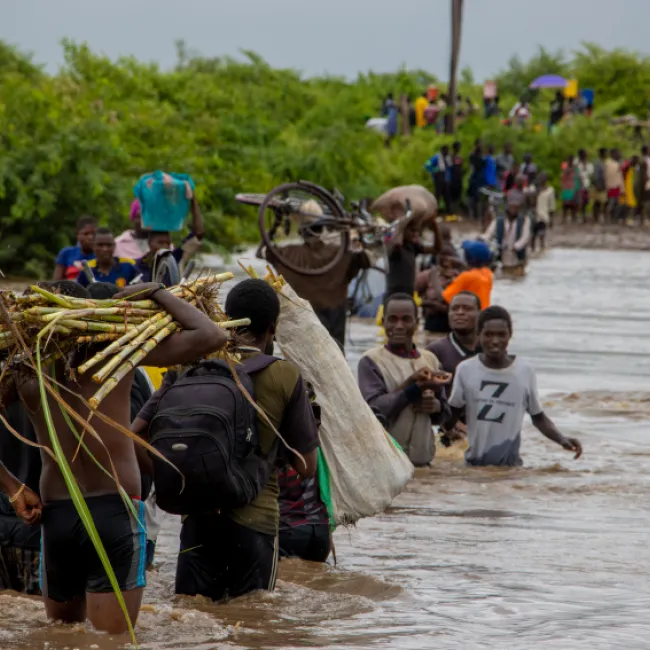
x=602 y=152
x=644 y=149
x=471 y=294
x=103 y=231
x=495 y=312
x=84 y=221
x=582 y=152
x=400 y=296
x=257 y=300
x=102 y=290
x=456 y=146
x=66 y=288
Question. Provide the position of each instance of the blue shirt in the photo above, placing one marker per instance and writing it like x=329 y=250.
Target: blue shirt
x=490 y=171
x=121 y=274
x=70 y=259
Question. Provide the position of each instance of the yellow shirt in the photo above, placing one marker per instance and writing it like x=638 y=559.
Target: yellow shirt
x=420 y=105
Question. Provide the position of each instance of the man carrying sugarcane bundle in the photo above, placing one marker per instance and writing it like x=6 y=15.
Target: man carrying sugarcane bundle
x=74 y=581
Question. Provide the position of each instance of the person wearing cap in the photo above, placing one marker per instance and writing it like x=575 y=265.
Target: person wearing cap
x=133 y=243
x=478 y=277
x=511 y=233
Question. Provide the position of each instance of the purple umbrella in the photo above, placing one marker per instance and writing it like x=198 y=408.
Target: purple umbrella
x=549 y=81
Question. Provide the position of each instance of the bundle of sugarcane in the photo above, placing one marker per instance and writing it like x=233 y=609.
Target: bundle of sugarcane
x=131 y=328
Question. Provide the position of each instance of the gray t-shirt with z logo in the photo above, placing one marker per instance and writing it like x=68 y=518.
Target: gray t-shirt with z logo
x=495 y=402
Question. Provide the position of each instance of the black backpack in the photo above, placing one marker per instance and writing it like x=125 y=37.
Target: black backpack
x=207 y=428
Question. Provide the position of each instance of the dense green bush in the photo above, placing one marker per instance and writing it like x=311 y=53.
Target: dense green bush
x=75 y=142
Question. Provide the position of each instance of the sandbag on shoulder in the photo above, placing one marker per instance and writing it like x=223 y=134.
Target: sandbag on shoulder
x=364 y=469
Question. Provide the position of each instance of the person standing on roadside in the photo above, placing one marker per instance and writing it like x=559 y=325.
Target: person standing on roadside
x=456 y=182
x=599 y=186
x=505 y=162
x=476 y=180
x=490 y=169
x=497 y=389
x=570 y=189
x=545 y=211
x=439 y=168
x=615 y=184
x=585 y=172
x=421 y=104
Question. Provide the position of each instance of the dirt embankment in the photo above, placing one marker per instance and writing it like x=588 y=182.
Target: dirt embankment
x=589 y=235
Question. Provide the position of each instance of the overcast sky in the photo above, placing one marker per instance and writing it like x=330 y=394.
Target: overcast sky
x=315 y=36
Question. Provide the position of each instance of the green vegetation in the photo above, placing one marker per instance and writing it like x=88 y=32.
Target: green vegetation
x=76 y=142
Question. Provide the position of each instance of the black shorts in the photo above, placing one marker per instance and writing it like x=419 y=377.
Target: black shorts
x=70 y=566
x=221 y=559
x=310 y=542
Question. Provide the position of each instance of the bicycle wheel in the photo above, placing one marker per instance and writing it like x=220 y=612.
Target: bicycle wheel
x=165 y=269
x=296 y=210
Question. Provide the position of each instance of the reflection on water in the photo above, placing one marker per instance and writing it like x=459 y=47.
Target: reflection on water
x=551 y=555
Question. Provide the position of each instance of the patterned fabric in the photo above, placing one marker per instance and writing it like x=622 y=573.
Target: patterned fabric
x=19 y=570
x=300 y=502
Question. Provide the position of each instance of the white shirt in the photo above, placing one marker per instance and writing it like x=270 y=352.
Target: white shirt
x=495 y=401
x=545 y=204
x=510 y=240
x=586 y=171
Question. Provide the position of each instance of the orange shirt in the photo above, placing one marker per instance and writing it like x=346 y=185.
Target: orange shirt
x=478 y=281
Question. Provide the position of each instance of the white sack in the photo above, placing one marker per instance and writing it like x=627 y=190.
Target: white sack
x=366 y=470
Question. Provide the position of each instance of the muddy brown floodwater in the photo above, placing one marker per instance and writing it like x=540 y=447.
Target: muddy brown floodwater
x=551 y=555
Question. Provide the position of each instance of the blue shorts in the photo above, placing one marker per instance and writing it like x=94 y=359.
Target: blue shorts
x=70 y=566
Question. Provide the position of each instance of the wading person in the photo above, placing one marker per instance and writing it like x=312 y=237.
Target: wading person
x=161 y=240
x=497 y=389
x=106 y=267
x=460 y=344
x=73 y=580
x=477 y=278
x=20 y=542
x=403 y=383
x=544 y=212
x=404 y=246
x=68 y=261
x=327 y=293
x=511 y=234
x=231 y=552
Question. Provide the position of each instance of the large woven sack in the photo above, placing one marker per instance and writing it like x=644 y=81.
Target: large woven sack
x=361 y=469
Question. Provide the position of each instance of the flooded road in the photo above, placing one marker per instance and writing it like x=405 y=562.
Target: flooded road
x=552 y=555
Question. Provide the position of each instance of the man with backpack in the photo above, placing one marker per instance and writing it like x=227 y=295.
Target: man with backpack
x=203 y=422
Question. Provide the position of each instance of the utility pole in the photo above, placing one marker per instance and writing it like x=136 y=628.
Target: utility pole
x=456 y=28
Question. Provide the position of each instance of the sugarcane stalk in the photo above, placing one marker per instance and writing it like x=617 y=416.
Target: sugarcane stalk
x=232 y=324
x=97 y=338
x=130 y=364
x=129 y=348
x=52 y=297
x=106 y=352
x=92 y=326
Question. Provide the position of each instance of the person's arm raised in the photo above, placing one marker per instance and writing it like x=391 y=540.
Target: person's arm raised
x=199 y=335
